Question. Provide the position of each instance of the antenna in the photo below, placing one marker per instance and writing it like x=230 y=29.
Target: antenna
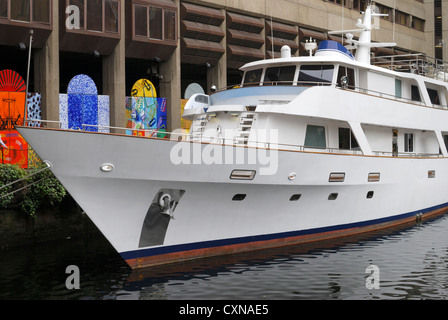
x=393 y=31
x=27 y=79
x=272 y=37
x=343 y=16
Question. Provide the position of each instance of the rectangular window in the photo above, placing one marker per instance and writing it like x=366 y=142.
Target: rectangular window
x=349 y=75
x=434 y=96
x=80 y=5
x=315 y=137
x=398 y=92
x=3 y=8
x=280 y=75
x=20 y=10
x=141 y=20
x=253 y=77
x=347 y=140
x=41 y=11
x=95 y=15
x=111 y=12
x=316 y=74
x=415 y=93
x=408 y=142
x=401 y=18
x=170 y=25
x=155 y=23
x=418 y=24
x=374 y=177
x=445 y=139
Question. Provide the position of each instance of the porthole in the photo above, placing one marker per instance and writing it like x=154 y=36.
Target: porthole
x=333 y=196
x=370 y=194
x=295 y=197
x=239 y=197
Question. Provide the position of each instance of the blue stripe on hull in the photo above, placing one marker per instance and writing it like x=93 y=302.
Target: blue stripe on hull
x=234 y=241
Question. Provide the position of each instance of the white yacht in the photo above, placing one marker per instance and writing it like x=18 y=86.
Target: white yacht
x=305 y=149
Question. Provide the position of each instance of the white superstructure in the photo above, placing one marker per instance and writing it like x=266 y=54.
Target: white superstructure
x=306 y=148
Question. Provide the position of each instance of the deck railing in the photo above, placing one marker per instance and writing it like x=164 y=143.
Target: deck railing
x=182 y=136
x=415 y=63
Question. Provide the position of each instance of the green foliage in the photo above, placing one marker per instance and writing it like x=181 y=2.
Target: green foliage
x=45 y=191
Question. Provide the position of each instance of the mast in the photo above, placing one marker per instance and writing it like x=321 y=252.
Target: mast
x=364 y=44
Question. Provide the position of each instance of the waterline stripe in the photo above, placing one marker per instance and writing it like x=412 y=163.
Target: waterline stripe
x=235 y=241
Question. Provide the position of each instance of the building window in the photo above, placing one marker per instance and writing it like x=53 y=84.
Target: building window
x=140 y=20
x=81 y=7
x=315 y=137
x=111 y=16
x=3 y=8
x=385 y=10
x=26 y=10
x=95 y=15
x=41 y=11
x=154 y=23
x=408 y=142
x=170 y=25
x=20 y=10
x=401 y=18
x=98 y=15
x=418 y=24
x=359 y=5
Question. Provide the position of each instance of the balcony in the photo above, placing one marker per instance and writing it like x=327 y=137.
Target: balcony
x=90 y=25
x=154 y=29
x=18 y=17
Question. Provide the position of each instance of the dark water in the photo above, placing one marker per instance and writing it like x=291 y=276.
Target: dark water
x=412 y=264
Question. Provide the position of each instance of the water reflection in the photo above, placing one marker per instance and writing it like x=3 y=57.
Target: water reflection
x=412 y=261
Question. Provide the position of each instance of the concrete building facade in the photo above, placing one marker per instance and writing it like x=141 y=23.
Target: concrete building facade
x=174 y=43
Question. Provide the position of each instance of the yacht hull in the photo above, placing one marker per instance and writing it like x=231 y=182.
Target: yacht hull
x=119 y=180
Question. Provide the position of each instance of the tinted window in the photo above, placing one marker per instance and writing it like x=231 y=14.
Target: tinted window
x=20 y=10
x=4 y=8
x=95 y=15
x=280 y=75
x=155 y=23
x=315 y=137
x=170 y=25
x=347 y=75
x=253 y=77
x=41 y=10
x=140 y=20
x=316 y=74
x=415 y=93
x=347 y=140
x=434 y=96
x=111 y=18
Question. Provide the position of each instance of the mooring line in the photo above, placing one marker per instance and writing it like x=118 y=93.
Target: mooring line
x=24 y=178
x=27 y=186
